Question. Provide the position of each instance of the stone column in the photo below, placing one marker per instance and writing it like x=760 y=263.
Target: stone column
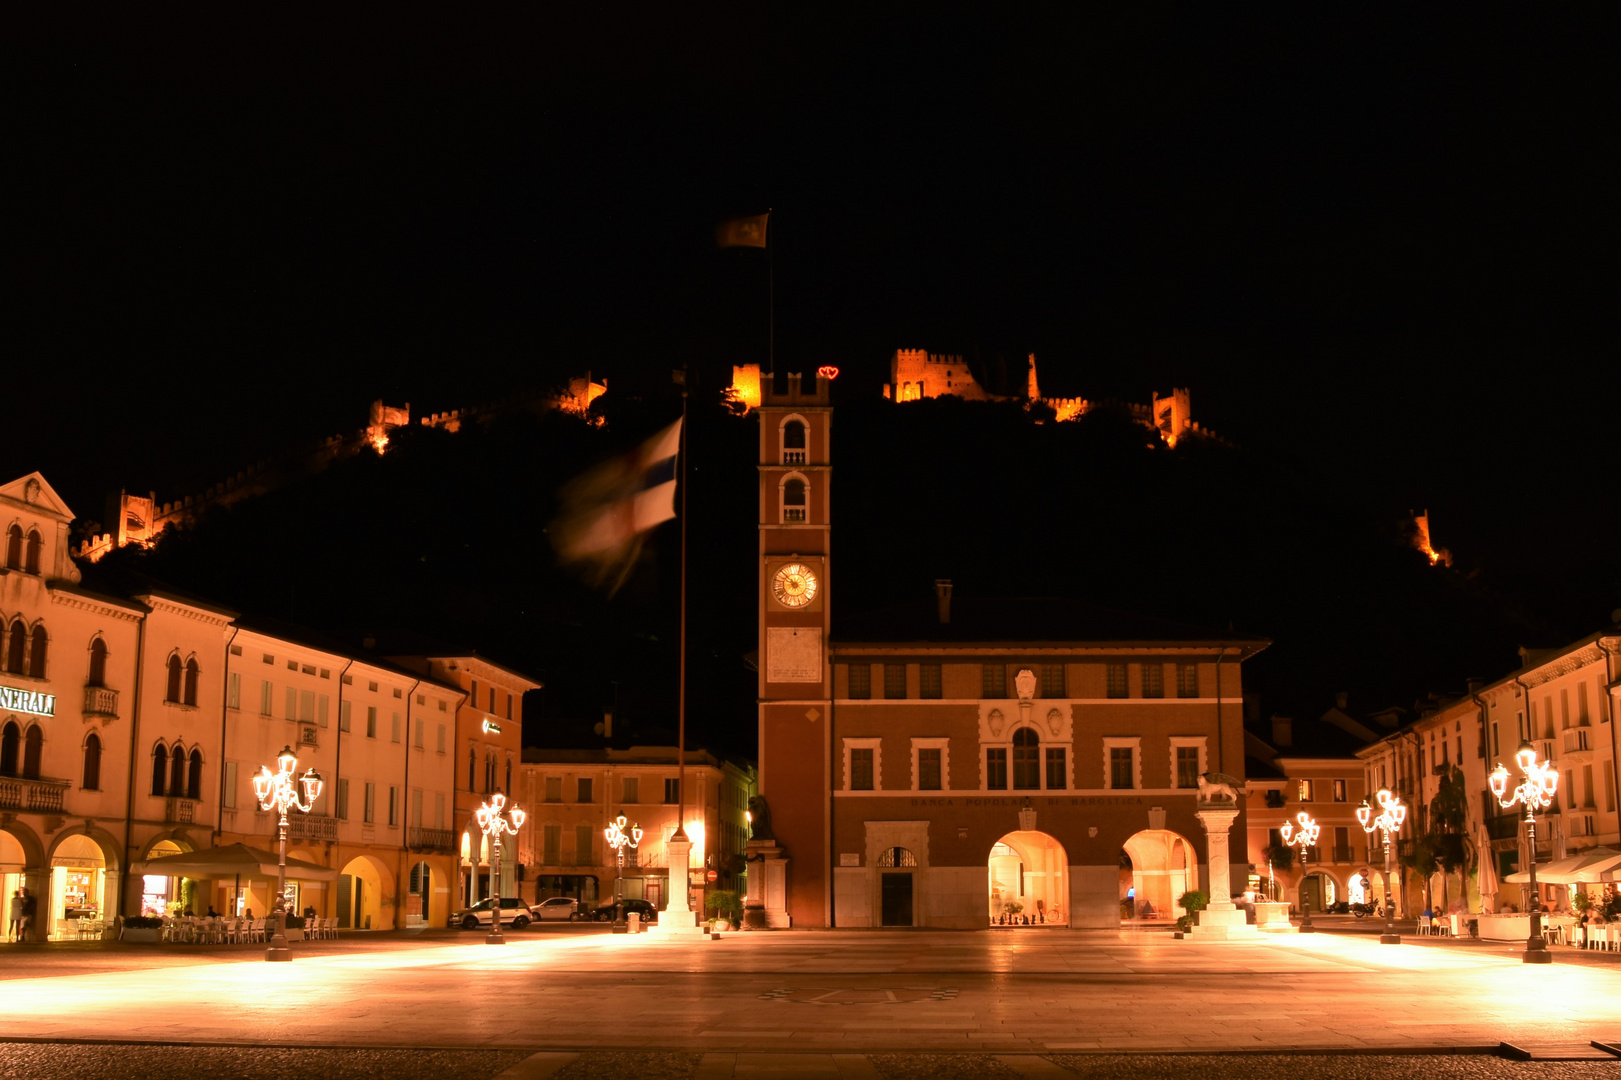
x=1222 y=919
x=678 y=918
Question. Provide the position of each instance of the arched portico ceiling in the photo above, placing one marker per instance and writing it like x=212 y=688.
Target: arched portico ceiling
x=86 y=842
x=1158 y=849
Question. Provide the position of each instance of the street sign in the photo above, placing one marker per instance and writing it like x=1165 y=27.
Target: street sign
x=712 y=876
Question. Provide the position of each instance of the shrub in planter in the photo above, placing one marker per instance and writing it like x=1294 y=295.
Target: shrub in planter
x=1194 y=900
x=294 y=922
x=724 y=904
x=143 y=922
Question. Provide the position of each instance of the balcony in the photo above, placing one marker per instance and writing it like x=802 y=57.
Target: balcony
x=100 y=703
x=440 y=840
x=41 y=795
x=1578 y=745
x=180 y=811
x=1274 y=800
x=311 y=827
x=1503 y=827
x=1342 y=854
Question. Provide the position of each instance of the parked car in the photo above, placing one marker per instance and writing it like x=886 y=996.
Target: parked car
x=556 y=907
x=514 y=913
x=605 y=912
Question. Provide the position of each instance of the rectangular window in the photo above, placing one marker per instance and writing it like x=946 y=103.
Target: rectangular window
x=268 y=658
x=894 y=681
x=993 y=681
x=928 y=768
x=1153 y=680
x=1609 y=787
x=322 y=705
x=292 y=703
x=394 y=730
x=491 y=709
x=1494 y=739
x=1117 y=681
x=996 y=768
x=1052 y=681
x=1187 y=766
x=439 y=810
x=554 y=789
x=861 y=681
x=1187 y=680
x=370 y=809
x=1570 y=789
x=1339 y=791
x=553 y=845
x=306 y=705
x=371 y=721
x=228 y=795
x=861 y=769
x=343 y=716
x=509 y=709
x=672 y=790
x=233 y=699
x=267 y=694
x=416 y=808
x=1122 y=769
x=1304 y=792
x=419 y=732
x=472 y=696
x=1057 y=770
x=584 y=837
x=341 y=800
x=393 y=806
x=582 y=792
x=928 y=680
x=441 y=738
x=629 y=789
x=371 y=684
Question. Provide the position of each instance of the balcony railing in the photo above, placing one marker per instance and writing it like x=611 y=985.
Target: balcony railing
x=1576 y=744
x=1503 y=827
x=1342 y=854
x=180 y=811
x=311 y=827
x=18 y=794
x=420 y=839
x=100 y=701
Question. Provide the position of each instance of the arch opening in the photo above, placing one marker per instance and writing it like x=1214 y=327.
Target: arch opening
x=78 y=885
x=1157 y=868
x=360 y=895
x=1028 y=881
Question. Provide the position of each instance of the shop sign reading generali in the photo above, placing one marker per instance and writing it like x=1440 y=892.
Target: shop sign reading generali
x=27 y=701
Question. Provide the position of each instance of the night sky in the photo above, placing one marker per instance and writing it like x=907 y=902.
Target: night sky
x=1380 y=253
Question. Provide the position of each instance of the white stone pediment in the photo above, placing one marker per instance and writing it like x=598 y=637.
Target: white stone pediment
x=35 y=493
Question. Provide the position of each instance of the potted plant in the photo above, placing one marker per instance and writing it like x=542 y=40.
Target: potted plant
x=726 y=906
x=144 y=929
x=1193 y=901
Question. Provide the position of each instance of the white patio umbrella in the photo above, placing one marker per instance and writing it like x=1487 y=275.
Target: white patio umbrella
x=233 y=860
x=1584 y=868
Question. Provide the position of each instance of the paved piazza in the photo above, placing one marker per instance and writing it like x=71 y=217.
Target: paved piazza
x=1046 y=993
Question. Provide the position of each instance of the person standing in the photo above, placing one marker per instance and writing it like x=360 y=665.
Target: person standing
x=30 y=906
x=14 y=914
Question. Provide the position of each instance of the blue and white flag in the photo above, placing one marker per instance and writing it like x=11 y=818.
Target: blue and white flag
x=606 y=510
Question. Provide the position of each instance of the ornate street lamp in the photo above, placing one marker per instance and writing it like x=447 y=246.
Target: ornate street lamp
x=618 y=838
x=279 y=791
x=1304 y=839
x=1536 y=792
x=1392 y=812
x=495 y=819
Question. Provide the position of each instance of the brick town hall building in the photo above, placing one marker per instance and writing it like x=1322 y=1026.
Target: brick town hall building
x=965 y=763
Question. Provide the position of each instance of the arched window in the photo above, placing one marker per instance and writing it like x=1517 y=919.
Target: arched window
x=897 y=857
x=10 y=738
x=36 y=654
x=191 y=682
x=177 y=770
x=36 y=547
x=92 y=762
x=14 y=548
x=17 y=647
x=509 y=776
x=98 y=663
x=160 y=769
x=793 y=500
x=1026 y=759
x=33 y=743
x=793 y=443
x=194 y=782
x=172 y=691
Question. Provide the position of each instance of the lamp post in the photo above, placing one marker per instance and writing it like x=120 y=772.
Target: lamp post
x=1536 y=793
x=495 y=819
x=1303 y=838
x=279 y=791
x=618 y=839
x=1392 y=812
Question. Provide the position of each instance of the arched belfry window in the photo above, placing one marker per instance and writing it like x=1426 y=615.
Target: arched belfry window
x=10 y=741
x=36 y=548
x=33 y=744
x=17 y=647
x=194 y=781
x=172 y=691
x=1026 y=759
x=14 y=547
x=191 y=682
x=177 y=770
x=36 y=652
x=793 y=441
x=794 y=499
x=92 y=762
x=896 y=856
x=160 y=769
x=98 y=663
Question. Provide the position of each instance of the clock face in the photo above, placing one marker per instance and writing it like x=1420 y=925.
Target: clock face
x=794 y=585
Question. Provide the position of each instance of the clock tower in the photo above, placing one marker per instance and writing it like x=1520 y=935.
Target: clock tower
x=795 y=676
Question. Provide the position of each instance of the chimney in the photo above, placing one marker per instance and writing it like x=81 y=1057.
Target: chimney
x=1474 y=685
x=1525 y=658
x=607 y=723
x=942 y=596
x=1342 y=699
x=1282 y=732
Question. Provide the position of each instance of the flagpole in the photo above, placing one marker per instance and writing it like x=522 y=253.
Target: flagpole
x=681 y=679
x=771 y=289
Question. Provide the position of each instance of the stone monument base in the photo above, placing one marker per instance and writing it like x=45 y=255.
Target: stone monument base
x=1222 y=924
x=677 y=924
x=1274 y=919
